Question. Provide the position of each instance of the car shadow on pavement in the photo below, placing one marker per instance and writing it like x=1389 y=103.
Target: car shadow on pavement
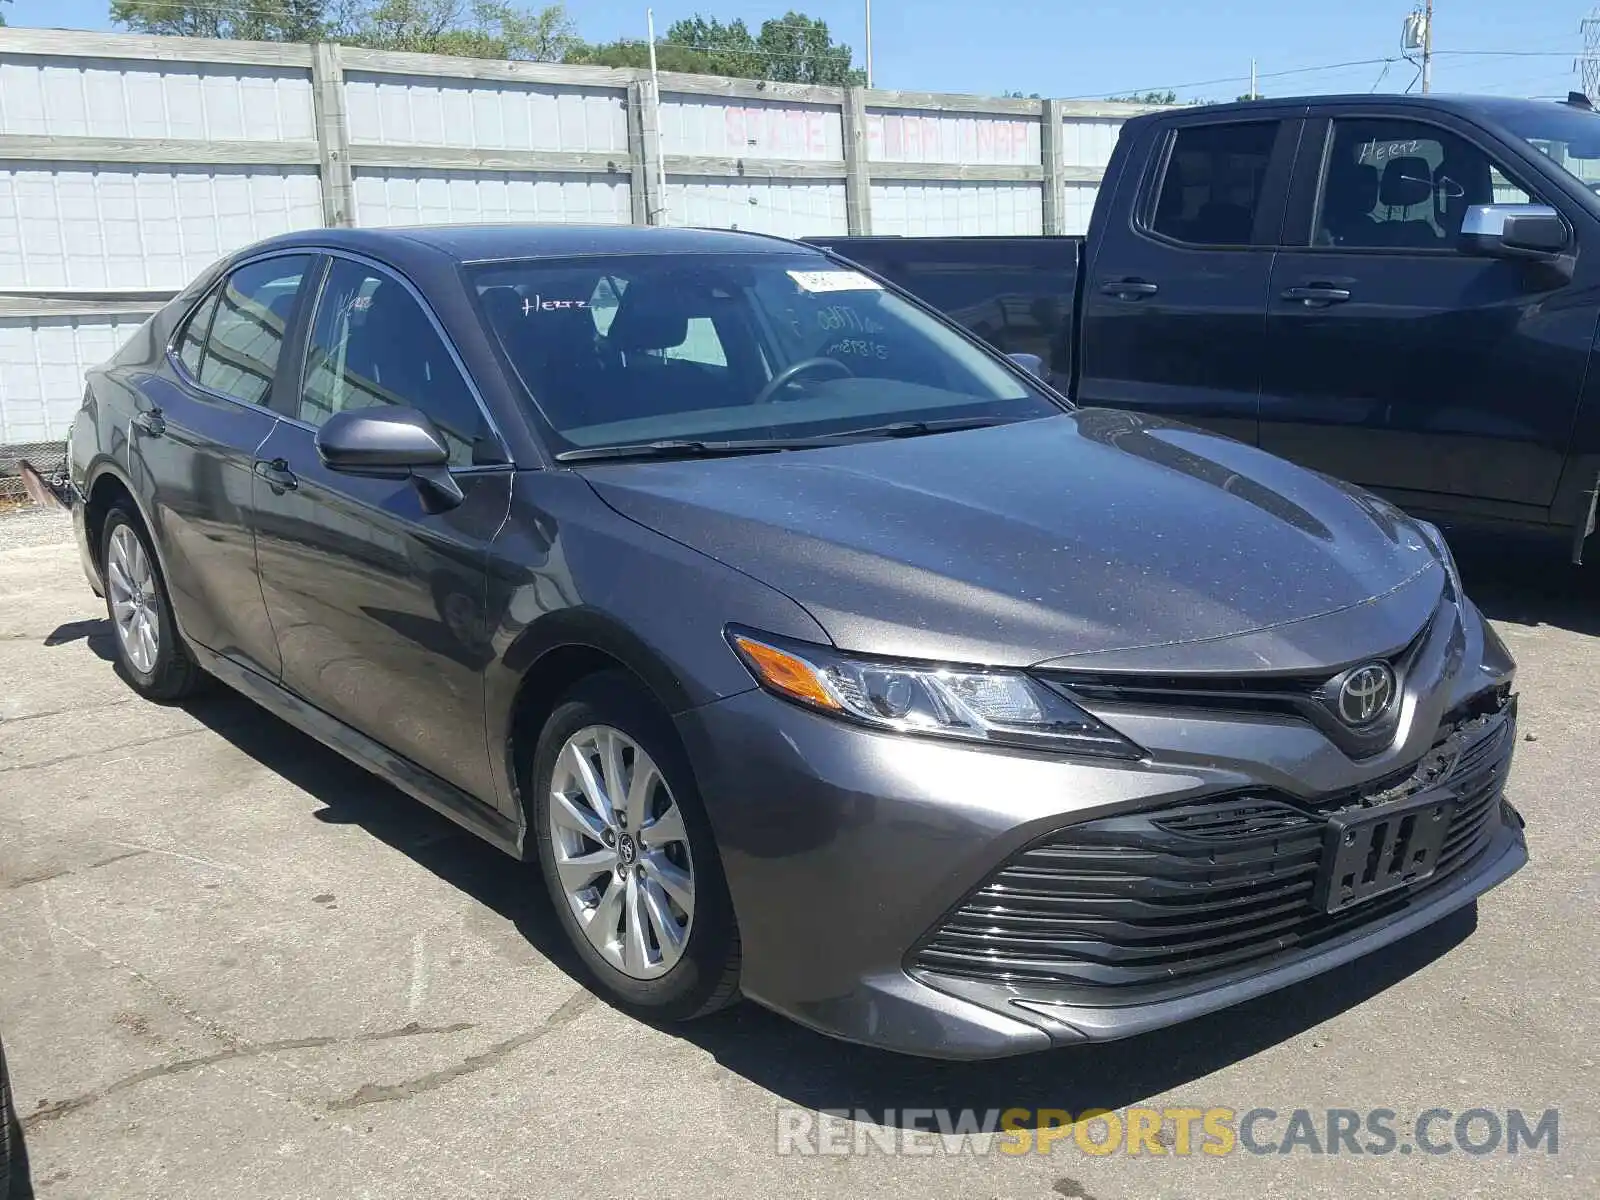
x=797 y=1065
x=1529 y=579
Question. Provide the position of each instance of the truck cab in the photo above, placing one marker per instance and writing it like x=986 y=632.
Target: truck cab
x=1401 y=291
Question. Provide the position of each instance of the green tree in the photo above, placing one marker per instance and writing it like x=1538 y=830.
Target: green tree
x=2 y=15
x=1168 y=97
x=471 y=28
x=793 y=48
x=253 y=20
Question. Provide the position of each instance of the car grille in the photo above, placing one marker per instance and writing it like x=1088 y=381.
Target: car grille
x=1151 y=898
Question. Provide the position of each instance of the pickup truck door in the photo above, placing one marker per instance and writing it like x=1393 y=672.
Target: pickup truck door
x=1396 y=359
x=1175 y=296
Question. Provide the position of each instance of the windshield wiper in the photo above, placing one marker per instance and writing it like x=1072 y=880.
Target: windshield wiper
x=676 y=448
x=900 y=429
x=685 y=448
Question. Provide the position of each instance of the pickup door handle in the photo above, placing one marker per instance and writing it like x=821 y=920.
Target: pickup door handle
x=1129 y=289
x=277 y=475
x=150 y=421
x=1318 y=295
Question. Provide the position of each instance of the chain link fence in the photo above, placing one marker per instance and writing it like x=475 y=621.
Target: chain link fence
x=48 y=457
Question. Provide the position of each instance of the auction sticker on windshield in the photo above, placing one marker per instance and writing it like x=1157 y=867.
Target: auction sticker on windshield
x=834 y=281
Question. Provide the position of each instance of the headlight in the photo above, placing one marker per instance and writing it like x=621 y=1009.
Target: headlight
x=996 y=707
x=1441 y=548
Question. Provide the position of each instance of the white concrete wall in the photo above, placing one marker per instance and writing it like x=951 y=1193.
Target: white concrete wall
x=204 y=147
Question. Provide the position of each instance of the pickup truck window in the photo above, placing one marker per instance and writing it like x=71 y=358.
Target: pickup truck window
x=1211 y=187
x=1404 y=185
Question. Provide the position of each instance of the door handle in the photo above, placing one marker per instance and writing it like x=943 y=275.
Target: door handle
x=1317 y=295
x=277 y=474
x=150 y=421
x=1129 y=289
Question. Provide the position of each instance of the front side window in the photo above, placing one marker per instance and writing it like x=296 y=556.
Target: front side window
x=646 y=347
x=1211 y=189
x=372 y=343
x=1404 y=185
x=252 y=316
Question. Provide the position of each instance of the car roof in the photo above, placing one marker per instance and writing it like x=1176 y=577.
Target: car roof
x=1495 y=106
x=488 y=243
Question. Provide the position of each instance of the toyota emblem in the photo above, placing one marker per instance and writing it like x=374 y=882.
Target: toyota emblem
x=1365 y=694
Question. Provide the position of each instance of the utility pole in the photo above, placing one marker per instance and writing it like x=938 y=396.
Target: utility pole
x=1427 y=48
x=869 y=43
x=1252 y=79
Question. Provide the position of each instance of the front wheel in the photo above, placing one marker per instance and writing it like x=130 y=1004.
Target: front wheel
x=628 y=855
x=152 y=655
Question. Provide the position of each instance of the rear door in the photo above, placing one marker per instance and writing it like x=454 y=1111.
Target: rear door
x=197 y=442
x=1175 y=297
x=377 y=601
x=1395 y=359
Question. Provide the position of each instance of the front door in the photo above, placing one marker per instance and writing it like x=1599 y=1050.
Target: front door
x=1175 y=299
x=1399 y=361
x=378 y=602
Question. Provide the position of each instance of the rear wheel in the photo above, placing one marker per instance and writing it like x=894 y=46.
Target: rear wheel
x=152 y=655
x=628 y=855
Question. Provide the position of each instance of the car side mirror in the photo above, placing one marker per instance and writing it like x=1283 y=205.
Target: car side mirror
x=1527 y=231
x=1031 y=363
x=388 y=441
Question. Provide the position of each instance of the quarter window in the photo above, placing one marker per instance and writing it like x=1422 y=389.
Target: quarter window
x=1404 y=185
x=252 y=315
x=372 y=344
x=1211 y=188
x=192 y=343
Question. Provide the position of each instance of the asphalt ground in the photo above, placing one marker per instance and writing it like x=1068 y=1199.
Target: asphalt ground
x=234 y=965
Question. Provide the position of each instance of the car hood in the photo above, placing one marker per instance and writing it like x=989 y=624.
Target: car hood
x=1096 y=533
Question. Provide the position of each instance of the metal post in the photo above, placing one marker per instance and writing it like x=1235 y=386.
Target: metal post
x=1252 y=79
x=1427 y=48
x=655 y=100
x=869 y=43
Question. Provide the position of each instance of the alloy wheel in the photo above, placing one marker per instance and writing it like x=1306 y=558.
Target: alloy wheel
x=621 y=851
x=134 y=599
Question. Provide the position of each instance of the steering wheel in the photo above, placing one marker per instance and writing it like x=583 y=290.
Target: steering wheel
x=793 y=371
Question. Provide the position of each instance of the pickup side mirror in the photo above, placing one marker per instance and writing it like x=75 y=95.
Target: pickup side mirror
x=390 y=442
x=1526 y=231
x=1031 y=363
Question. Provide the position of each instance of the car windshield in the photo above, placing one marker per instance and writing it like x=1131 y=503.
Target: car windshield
x=642 y=348
x=1569 y=136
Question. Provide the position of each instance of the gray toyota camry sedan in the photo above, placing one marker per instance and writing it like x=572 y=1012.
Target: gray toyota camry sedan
x=812 y=651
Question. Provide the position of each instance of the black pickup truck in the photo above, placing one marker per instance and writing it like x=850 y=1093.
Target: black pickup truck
x=1402 y=291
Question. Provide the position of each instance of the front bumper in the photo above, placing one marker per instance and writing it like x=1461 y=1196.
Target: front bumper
x=846 y=849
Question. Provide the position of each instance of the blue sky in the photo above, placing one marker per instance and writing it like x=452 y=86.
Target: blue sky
x=1099 y=47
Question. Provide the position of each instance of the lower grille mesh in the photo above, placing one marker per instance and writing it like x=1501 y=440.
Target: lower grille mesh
x=1151 y=898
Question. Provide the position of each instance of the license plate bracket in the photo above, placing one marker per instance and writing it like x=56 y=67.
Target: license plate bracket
x=1370 y=851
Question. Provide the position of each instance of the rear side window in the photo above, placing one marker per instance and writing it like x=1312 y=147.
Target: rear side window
x=247 y=331
x=372 y=344
x=1211 y=189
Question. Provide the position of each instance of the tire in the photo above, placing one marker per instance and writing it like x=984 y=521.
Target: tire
x=14 y=1179
x=150 y=652
x=676 y=983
